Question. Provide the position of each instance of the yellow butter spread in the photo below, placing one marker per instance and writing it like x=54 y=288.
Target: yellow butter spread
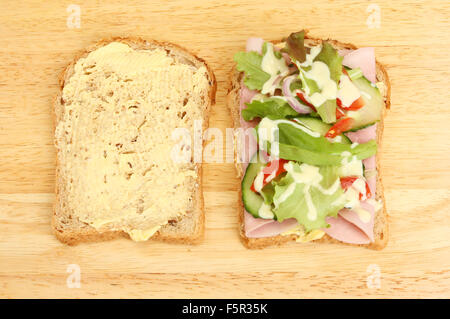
x=304 y=237
x=114 y=143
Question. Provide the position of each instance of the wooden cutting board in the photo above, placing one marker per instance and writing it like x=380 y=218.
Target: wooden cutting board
x=37 y=41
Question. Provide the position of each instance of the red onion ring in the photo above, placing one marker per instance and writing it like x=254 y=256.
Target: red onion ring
x=293 y=102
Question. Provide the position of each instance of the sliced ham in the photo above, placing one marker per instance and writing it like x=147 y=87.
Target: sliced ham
x=343 y=52
x=370 y=164
x=350 y=228
x=345 y=231
x=254 y=44
x=353 y=217
x=363 y=58
x=259 y=227
x=248 y=144
x=364 y=135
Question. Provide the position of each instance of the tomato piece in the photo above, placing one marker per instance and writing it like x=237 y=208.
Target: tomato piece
x=356 y=105
x=341 y=126
x=339 y=113
x=368 y=192
x=302 y=97
x=276 y=166
x=347 y=182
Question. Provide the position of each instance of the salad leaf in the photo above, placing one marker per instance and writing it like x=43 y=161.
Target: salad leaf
x=292 y=134
x=295 y=46
x=327 y=111
x=307 y=199
x=267 y=193
x=309 y=86
x=332 y=59
x=250 y=64
x=272 y=107
x=329 y=56
x=276 y=53
x=296 y=153
x=298 y=144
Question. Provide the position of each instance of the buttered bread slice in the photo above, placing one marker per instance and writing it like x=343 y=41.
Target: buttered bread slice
x=119 y=104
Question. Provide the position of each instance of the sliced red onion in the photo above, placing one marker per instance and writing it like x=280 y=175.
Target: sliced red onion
x=293 y=102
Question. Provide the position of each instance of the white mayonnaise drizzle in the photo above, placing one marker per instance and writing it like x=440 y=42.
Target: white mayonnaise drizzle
x=352 y=167
x=311 y=177
x=314 y=51
x=258 y=183
x=320 y=73
x=348 y=92
x=265 y=211
x=273 y=66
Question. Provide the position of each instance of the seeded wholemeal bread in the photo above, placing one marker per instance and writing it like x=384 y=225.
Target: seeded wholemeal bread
x=381 y=218
x=118 y=105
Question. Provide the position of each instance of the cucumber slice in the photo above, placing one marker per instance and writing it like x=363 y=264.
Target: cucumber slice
x=316 y=125
x=252 y=201
x=371 y=112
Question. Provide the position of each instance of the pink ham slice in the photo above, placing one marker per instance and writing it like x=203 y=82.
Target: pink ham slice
x=363 y=58
x=370 y=163
x=345 y=231
x=349 y=228
x=364 y=136
x=259 y=227
x=254 y=44
x=248 y=143
x=352 y=217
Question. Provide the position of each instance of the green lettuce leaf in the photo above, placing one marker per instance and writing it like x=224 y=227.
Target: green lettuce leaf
x=250 y=64
x=295 y=46
x=297 y=145
x=276 y=53
x=308 y=85
x=331 y=57
x=267 y=192
x=296 y=204
x=274 y=108
x=327 y=111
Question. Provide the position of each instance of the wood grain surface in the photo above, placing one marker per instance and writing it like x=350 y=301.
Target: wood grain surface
x=412 y=41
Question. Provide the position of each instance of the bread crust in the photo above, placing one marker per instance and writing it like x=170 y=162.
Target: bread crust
x=381 y=228
x=82 y=232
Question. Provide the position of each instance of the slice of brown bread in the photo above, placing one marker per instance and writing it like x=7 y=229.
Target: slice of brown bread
x=188 y=226
x=381 y=218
